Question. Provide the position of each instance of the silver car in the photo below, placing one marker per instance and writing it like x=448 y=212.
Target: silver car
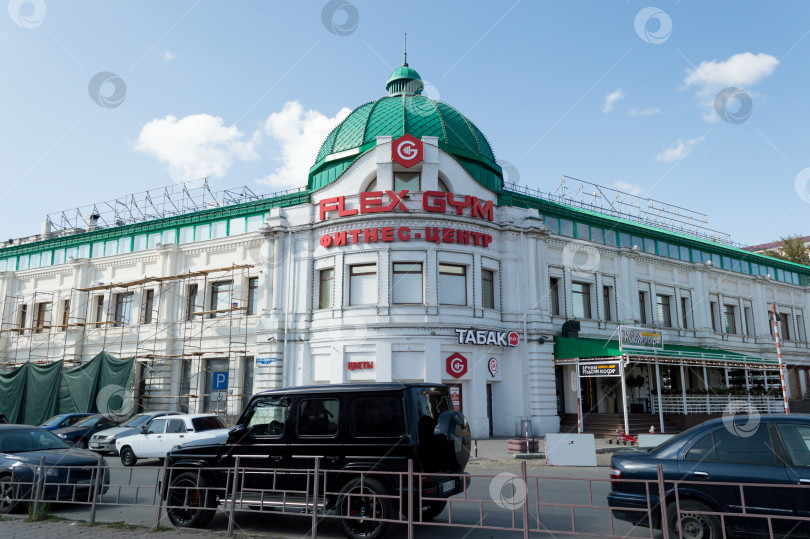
x=104 y=441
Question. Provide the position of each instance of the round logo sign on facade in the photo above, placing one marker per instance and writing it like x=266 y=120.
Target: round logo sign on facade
x=514 y=339
x=407 y=151
x=456 y=365
x=493 y=366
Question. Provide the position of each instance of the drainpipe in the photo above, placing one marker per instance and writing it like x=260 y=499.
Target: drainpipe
x=290 y=375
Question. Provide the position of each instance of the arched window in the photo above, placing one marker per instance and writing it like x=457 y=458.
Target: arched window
x=443 y=186
x=372 y=186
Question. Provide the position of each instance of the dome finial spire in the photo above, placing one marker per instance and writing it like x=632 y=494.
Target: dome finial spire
x=405 y=51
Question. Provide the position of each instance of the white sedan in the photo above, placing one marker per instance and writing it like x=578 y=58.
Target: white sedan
x=165 y=433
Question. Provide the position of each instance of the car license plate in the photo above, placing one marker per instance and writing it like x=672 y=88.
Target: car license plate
x=448 y=486
x=95 y=446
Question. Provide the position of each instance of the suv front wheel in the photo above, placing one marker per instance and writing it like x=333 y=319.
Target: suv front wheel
x=362 y=506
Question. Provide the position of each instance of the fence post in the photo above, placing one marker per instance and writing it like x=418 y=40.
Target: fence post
x=96 y=486
x=315 y=487
x=38 y=483
x=233 y=497
x=662 y=502
x=524 y=477
x=409 y=504
x=164 y=487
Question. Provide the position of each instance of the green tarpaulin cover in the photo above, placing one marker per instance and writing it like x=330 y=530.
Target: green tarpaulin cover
x=33 y=393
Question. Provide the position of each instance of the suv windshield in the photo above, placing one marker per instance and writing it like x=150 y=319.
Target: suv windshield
x=207 y=423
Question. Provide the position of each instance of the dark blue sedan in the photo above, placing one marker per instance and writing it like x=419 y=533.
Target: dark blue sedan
x=63 y=420
x=69 y=474
x=771 y=451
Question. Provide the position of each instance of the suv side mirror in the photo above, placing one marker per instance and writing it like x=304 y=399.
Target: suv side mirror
x=144 y=429
x=237 y=431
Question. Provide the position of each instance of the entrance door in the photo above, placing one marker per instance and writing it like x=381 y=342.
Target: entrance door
x=590 y=400
x=489 y=408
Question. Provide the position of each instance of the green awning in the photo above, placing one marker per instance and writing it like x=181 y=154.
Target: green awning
x=576 y=348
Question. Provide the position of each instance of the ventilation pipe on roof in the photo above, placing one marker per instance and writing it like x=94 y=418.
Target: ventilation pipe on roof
x=92 y=221
x=45 y=229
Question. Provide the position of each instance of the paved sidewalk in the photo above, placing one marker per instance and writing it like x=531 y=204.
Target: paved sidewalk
x=17 y=528
x=496 y=448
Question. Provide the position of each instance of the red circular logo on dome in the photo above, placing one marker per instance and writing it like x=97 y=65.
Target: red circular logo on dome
x=514 y=339
x=407 y=151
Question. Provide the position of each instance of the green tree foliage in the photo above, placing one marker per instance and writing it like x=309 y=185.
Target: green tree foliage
x=792 y=250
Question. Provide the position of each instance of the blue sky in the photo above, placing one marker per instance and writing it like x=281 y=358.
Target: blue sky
x=244 y=92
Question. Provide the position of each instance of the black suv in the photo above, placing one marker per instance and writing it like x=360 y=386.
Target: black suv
x=375 y=427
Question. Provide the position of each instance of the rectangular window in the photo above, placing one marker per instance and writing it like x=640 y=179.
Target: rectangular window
x=221 y=297
x=43 y=320
x=713 y=313
x=23 y=263
x=649 y=246
x=97 y=250
x=34 y=261
x=236 y=226
x=642 y=307
x=726 y=262
x=326 y=291
x=219 y=229
x=567 y=228
x=488 y=288
x=716 y=260
x=139 y=243
x=58 y=258
x=186 y=234
x=406 y=180
x=99 y=314
x=749 y=322
x=685 y=313
x=363 y=284
x=554 y=293
x=610 y=237
x=83 y=251
x=153 y=240
x=148 y=306
x=581 y=299
x=124 y=245
x=624 y=240
x=684 y=253
x=735 y=265
x=784 y=328
x=377 y=416
x=607 y=299
x=597 y=235
x=452 y=284
x=123 y=308
x=253 y=296
x=65 y=314
x=254 y=223
x=663 y=248
x=168 y=237
x=754 y=268
x=318 y=417
x=202 y=232
x=553 y=224
x=799 y=328
x=111 y=248
x=583 y=232
x=731 y=319
x=407 y=282
x=23 y=317
x=192 y=304
x=46 y=259
x=664 y=310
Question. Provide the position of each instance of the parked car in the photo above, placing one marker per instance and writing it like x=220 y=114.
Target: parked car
x=3 y=419
x=349 y=427
x=21 y=449
x=164 y=433
x=773 y=451
x=104 y=441
x=63 y=420
x=79 y=434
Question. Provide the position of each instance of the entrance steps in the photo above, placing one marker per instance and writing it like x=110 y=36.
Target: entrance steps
x=605 y=425
x=799 y=406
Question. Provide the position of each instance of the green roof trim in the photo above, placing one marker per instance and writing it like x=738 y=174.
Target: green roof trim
x=510 y=198
x=394 y=116
x=581 y=348
x=195 y=218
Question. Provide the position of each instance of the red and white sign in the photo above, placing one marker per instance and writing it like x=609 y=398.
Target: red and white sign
x=493 y=366
x=456 y=365
x=514 y=339
x=455 y=396
x=360 y=365
x=392 y=201
x=407 y=151
x=387 y=234
x=485 y=337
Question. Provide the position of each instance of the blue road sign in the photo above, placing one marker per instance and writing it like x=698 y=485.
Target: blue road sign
x=220 y=381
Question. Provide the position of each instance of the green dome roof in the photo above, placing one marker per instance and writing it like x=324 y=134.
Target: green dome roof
x=396 y=115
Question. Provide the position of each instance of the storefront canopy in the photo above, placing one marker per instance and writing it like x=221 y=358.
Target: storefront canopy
x=568 y=349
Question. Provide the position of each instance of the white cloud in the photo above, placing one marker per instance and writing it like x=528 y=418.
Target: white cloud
x=628 y=187
x=195 y=146
x=298 y=134
x=743 y=70
x=678 y=151
x=168 y=56
x=644 y=112
x=610 y=100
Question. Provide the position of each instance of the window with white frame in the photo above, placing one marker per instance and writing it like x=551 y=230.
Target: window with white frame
x=714 y=312
x=749 y=320
x=686 y=312
x=253 y=296
x=99 y=310
x=363 y=284
x=581 y=299
x=608 y=301
x=22 y=317
x=221 y=297
x=487 y=289
x=148 y=306
x=192 y=301
x=43 y=316
x=452 y=284
x=406 y=282
x=123 y=308
x=730 y=312
x=642 y=307
x=664 y=310
x=555 y=286
x=800 y=328
x=326 y=288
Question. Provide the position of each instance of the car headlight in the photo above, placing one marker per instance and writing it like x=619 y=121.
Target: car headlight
x=52 y=472
x=62 y=435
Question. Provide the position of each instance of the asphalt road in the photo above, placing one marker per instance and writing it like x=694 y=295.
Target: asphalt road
x=132 y=491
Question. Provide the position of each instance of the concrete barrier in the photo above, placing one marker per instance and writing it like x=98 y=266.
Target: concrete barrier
x=652 y=440
x=570 y=449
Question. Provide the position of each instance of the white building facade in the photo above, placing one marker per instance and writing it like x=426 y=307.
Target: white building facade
x=406 y=258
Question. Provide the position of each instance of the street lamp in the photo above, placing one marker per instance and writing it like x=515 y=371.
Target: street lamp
x=774 y=316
